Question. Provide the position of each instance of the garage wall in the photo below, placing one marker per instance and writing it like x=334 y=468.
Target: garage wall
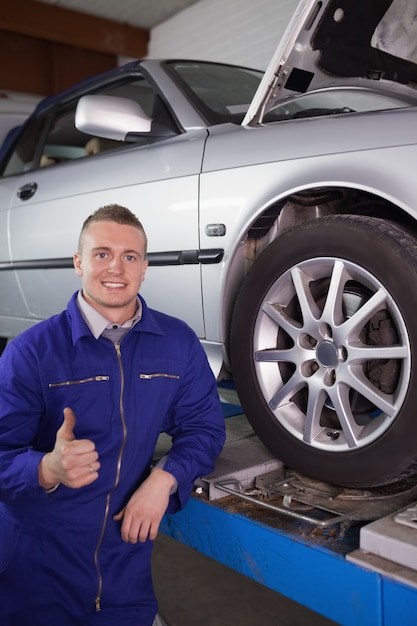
x=231 y=31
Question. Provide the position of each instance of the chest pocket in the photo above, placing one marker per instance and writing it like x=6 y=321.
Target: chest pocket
x=158 y=387
x=90 y=397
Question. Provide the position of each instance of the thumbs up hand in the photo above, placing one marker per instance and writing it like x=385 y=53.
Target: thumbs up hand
x=73 y=462
x=66 y=431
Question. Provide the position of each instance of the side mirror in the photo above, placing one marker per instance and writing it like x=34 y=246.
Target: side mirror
x=111 y=117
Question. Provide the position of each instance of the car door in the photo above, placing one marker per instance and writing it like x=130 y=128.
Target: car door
x=158 y=180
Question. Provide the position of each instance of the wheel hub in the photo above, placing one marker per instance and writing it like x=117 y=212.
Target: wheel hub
x=327 y=354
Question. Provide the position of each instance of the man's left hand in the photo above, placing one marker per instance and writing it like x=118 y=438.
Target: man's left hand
x=143 y=513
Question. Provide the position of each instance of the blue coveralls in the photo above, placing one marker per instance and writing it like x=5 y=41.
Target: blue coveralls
x=62 y=559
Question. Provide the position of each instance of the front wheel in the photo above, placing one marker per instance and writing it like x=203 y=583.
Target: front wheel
x=323 y=344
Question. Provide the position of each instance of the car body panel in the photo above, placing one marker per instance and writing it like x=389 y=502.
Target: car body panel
x=314 y=137
x=238 y=201
x=165 y=178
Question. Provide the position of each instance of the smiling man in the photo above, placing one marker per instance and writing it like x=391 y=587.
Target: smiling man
x=84 y=397
x=112 y=263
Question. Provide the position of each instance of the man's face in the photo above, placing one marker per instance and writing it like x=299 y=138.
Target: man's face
x=112 y=266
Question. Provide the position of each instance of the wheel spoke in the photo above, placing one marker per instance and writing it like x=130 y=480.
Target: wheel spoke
x=357 y=381
x=353 y=326
x=291 y=355
x=287 y=391
x=282 y=320
x=316 y=400
x=334 y=299
x=309 y=309
x=365 y=353
x=339 y=396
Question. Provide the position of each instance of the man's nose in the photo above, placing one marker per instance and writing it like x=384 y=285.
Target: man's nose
x=115 y=266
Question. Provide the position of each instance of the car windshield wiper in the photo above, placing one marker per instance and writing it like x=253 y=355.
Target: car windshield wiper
x=321 y=111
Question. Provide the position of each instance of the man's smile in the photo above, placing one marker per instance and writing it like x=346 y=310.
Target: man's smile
x=113 y=285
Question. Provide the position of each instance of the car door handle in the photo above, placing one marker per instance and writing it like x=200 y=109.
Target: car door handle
x=27 y=191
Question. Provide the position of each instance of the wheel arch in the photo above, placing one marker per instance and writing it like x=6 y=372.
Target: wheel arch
x=291 y=209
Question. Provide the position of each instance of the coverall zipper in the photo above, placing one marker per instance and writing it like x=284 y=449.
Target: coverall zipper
x=148 y=376
x=118 y=469
x=79 y=382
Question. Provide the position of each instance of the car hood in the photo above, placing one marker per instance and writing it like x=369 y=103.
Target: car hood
x=370 y=43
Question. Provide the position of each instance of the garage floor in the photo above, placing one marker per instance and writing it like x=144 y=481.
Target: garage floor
x=194 y=590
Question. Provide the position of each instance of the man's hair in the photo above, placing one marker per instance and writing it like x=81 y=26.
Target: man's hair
x=112 y=213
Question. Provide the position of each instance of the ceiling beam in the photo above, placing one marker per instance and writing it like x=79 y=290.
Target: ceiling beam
x=53 y=23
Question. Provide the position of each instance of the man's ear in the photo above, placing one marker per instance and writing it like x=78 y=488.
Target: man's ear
x=76 y=259
x=144 y=268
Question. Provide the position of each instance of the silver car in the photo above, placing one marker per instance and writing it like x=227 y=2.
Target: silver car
x=281 y=211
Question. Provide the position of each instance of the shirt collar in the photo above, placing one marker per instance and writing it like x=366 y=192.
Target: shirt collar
x=97 y=323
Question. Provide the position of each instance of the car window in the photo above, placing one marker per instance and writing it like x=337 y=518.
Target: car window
x=22 y=157
x=221 y=93
x=51 y=137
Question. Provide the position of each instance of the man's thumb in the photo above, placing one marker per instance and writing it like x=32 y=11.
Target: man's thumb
x=67 y=428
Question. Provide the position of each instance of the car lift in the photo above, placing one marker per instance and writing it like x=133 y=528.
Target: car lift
x=350 y=555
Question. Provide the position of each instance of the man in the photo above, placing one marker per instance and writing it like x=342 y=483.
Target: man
x=83 y=398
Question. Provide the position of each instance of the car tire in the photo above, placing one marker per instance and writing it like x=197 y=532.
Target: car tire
x=323 y=346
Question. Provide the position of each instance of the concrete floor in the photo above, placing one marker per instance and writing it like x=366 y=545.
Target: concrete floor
x=194 y=590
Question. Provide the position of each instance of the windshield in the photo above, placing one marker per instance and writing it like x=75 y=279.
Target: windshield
x=332 y=101
x=221 y=93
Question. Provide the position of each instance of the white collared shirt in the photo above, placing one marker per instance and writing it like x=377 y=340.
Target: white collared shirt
x=97 y=323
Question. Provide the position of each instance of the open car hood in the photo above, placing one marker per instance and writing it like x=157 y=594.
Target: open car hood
x=329 y=43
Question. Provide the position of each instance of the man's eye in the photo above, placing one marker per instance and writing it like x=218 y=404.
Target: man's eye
x=101 y=255
x=130 y=257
